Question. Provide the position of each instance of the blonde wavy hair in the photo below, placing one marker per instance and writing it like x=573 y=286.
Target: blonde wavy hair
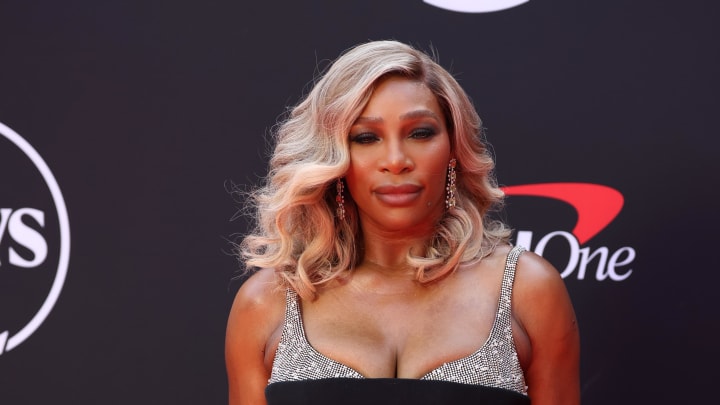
x=297 y=232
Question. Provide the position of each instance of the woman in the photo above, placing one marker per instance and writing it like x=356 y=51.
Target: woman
x=382 y=278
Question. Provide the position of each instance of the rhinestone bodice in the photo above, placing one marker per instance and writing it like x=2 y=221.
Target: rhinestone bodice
x=494 y=364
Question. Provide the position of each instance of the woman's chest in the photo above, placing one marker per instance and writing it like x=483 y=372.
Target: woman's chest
x=400 y=336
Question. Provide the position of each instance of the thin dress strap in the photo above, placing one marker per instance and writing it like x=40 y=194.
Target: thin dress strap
x=496 y=363
x=295 y=358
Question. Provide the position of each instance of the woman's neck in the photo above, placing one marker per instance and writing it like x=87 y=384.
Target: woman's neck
x=386 y=252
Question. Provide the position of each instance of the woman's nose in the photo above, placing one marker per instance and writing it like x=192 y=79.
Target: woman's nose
x=396 y=158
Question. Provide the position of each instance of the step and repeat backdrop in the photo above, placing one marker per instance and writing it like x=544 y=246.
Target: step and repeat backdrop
x=123 y=124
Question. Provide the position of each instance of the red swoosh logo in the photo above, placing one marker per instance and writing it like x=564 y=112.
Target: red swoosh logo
x=596 y=205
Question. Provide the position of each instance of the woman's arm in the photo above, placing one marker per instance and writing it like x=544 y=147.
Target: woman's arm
x=542 y=307
x=256 y=315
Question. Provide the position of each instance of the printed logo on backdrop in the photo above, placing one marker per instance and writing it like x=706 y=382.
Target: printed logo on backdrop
x=596 y=207
x=34 y=240
x=475 y=6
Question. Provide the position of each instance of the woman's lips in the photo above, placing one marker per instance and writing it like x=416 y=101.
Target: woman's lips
x=398 y=195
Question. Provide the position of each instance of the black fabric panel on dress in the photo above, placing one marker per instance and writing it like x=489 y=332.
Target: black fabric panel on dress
x=387 y=391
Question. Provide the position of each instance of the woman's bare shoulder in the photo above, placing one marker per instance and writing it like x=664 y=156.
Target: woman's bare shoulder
x=255 y=318
x=535 y=273
x=540 y=298
x=256 y=315
x=259 y=302
x=542 y=307
x=260 y=292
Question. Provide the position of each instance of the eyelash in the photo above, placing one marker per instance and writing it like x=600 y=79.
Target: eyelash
x=369 y=137
x=423 y=133
x=364 y=138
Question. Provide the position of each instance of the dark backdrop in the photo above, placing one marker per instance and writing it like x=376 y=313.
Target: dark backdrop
x=144 y=111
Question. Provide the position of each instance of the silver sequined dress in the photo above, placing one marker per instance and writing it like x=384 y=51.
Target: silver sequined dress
x=495 y=364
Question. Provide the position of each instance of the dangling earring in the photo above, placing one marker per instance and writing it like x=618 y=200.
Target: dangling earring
x=340 y=199
x=450 y=189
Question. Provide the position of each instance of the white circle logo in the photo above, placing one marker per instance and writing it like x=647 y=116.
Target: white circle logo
x=475 y=6
x=24 y=253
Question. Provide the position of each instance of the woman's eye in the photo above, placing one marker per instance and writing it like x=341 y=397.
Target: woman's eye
x=423 y=133
x=364 y=138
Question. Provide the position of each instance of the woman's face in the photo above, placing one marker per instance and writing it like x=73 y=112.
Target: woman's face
x=399 y=152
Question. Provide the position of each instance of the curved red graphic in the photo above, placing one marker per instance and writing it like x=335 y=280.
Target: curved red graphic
x=596 y=205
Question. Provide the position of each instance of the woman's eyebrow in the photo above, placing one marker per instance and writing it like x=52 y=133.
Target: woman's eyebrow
x=408 y=115
x=367 y=120
x=419 y=114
